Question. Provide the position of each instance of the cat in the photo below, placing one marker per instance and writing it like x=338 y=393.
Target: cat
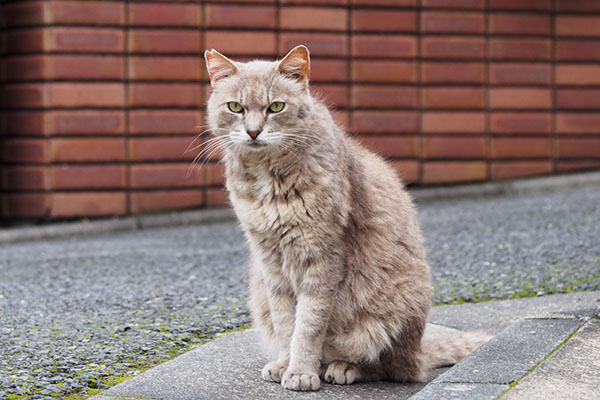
x=339 y=282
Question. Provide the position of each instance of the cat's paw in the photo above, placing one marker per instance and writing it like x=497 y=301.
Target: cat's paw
x=273 y=371
x=341 y=373
x=300 y=381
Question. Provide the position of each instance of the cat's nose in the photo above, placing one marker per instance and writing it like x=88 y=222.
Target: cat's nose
x=253 y=134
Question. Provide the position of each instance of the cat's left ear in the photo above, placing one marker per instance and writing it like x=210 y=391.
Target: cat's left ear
x=218 y=66
x=296 y=64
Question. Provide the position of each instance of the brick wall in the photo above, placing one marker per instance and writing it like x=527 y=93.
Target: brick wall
x=101 y=98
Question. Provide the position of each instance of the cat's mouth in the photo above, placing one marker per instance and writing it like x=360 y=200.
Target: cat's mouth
x=256 y=143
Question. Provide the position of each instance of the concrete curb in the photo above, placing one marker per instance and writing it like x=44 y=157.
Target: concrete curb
x=96 y=227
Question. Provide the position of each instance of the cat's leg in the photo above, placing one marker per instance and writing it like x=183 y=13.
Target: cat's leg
x=313 y=312
x=273 y=315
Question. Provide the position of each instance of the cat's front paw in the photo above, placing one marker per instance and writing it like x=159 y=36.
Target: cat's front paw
x=341 y=373
x=293 y=380
x=273 y=371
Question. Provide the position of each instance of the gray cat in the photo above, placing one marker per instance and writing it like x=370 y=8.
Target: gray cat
x=339 y=282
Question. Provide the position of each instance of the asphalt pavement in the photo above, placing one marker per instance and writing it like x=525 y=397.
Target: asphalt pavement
x=81 y=313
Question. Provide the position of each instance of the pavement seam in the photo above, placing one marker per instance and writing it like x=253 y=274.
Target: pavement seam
x=514 y=384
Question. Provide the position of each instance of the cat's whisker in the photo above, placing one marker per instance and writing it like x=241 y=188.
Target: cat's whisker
x=198 y=136
x=206 y=153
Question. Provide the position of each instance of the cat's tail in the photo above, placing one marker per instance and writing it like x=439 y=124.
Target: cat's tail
x=451 y=347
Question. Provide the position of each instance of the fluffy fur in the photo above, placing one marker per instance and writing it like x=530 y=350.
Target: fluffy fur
x=339 y=283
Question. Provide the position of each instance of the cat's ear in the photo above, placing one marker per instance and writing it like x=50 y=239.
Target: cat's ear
x=218 y=66
x=296 y=64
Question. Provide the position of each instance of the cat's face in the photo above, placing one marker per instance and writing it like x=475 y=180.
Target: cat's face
x=259 y=106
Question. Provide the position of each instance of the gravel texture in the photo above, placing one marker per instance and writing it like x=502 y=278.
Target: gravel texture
x=81 y=314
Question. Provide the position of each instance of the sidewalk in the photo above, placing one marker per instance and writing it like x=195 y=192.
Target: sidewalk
x=548 y=346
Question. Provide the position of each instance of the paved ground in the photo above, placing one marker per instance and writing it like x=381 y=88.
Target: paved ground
x=78 y=314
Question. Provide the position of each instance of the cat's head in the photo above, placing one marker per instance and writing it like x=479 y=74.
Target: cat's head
x=259 y=106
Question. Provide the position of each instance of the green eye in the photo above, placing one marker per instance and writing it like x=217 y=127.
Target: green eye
x=276 y=106
x=235 y=107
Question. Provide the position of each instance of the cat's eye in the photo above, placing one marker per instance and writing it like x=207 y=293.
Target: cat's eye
x=235 y=107
x=276 y=106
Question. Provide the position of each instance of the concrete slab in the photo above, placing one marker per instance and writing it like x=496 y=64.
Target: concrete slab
x=511 y=354
x=494 y=316
x=229 y=368
x=460 y=391
x=573 y=372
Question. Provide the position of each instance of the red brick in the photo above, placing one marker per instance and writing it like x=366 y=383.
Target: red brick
x=449 y=172
x=581 y=75
x=576 y=50
x=384 y=96
x=563 y=166
x=165 y=95
x=88 y=177
x=397 y=3
x=165 y=122
x=24 y=96
x=383 y=20
x=392 y=146
x=25 y=178
x=322 y=70
x=96 y=40
x=237 y=16
x=215 y=174
x=217 y=197
x=342 y=119
x=24 y=13
x=321 y=2
x=507 y=73
x=453 y=97
x=165 y=41
x=518 y=169
x=521 y=5
x=87 y=150
x=519 y=49
x=30 y=40
x=384 y=71
x=326 y=44
x=526 y=123
x=147 y=176
x=24 y=122
x=163 y=148
x=88 y=204
x=520 y=24
x=453 y=122
x=578 y=124
x=511 y=148
x=579 y=5
x=241 y=43
x=520 y=98
x=25 y=205
x=578 y=98
x=453 y=47
x=165 y=68
x=578 y=148
x=452 y=72
x=64 y=67
x=453 y=147
x=406 y=169
x=384 y=122
x=384 y=46
x=91 y=94
x=577 y=26
x=333 y=95
x=466 y=4
x=452 y=22
x=156 y=14
x=86 y=12
x=144 y=202
x=25 y=151
x=84 y=122
x=322 y=18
